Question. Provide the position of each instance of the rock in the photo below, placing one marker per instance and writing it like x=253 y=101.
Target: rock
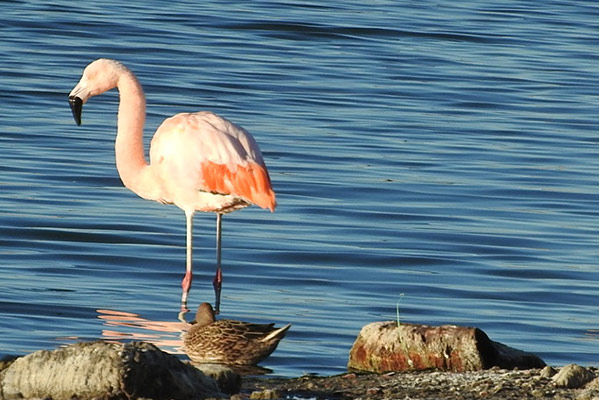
x=385 y=346
x=491 y=384
x=266 y=394
x=547 y=372
x=104 y=370
x=594 y=384
x=226 y=378
x=590 y=392
x=6 y=361
x=573 y=376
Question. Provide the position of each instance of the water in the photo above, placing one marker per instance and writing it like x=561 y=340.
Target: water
x=447 y=152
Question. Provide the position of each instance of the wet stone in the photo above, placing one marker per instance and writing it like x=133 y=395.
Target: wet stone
x=104 y=370
x=226 y=378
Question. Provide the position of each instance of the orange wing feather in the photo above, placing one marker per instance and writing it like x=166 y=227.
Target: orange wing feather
x=250 y=182
x=225 y=156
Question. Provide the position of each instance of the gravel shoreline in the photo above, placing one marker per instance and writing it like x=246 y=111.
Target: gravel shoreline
x=141 y=370
x=488 y=384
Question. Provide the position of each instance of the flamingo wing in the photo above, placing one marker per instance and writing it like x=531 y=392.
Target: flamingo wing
x=205 y=152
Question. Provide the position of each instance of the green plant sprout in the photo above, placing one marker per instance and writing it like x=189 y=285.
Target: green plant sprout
x=397 y=309
x=398 y=323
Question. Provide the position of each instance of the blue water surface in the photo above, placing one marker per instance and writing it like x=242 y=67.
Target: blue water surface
x=442 y=153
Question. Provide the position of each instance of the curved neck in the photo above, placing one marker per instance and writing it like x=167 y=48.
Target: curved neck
x=130 y=160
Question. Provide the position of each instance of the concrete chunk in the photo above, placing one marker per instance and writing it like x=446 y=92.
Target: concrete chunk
x=385 y=346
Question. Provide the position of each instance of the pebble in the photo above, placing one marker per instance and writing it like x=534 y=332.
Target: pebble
x=494 y=384
x=266 y=394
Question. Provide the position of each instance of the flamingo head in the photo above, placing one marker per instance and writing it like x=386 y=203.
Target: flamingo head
x=98 y=77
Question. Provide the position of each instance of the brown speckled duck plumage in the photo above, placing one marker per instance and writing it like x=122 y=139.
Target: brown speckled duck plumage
x=228 y=341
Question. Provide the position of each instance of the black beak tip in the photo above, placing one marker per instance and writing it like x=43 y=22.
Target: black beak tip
x=76 y=106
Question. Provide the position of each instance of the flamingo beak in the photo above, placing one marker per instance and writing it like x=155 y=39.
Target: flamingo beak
x=76 y=106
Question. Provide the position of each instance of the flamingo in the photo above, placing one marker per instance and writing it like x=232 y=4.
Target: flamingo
x=198 y=161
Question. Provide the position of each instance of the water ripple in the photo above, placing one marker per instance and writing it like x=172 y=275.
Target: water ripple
x=455 y=164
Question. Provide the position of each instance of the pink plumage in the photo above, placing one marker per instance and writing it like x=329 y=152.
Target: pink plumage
x=203 y=151
x=198 y=161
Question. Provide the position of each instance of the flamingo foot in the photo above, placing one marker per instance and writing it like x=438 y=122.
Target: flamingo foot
x=217 y=283
x=186 y=286
x=181 y=315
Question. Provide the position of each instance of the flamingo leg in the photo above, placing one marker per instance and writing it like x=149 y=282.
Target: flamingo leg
x=186 y=283
x=218 y=277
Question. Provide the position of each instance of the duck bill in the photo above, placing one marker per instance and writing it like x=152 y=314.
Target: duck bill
x=76 y=107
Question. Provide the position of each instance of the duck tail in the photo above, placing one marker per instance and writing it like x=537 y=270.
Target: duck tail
x=276 y=334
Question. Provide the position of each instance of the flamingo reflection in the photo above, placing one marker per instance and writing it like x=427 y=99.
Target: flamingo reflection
x=129 y=326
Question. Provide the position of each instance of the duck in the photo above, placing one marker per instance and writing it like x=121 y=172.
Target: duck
x=227 y=341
